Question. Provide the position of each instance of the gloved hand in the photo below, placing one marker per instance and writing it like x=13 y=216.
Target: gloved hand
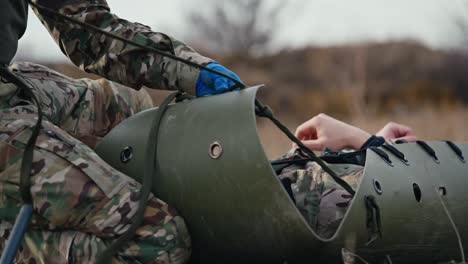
x=209 y=83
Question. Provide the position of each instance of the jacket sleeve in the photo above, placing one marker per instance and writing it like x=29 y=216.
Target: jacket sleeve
x=113 y=59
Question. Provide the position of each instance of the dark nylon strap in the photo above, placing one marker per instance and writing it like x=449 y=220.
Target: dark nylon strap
x=26 y=163
x=291 y=162
x=24 y=216
x=455 y=149
x=395 y=152
x=373 y=220
x=382 y=155
x=428 y=149
x=149 y=173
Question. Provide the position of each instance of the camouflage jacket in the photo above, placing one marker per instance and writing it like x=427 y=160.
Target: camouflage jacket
x=112 y=59
x=321 y=201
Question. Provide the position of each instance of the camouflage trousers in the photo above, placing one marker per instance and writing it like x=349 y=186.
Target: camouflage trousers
x=81 y=204
x=322 y=202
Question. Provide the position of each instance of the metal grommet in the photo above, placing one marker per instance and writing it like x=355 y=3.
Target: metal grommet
x=216 y=150
x=126 y=155
x=377 y=187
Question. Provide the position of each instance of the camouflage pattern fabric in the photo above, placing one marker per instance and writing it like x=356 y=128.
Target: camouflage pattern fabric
x=321 y=201
x=115 y=60
x=86 y=109
x=81 y=203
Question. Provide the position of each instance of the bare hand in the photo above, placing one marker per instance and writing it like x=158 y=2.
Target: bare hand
x=323 y=131
x=395 y=131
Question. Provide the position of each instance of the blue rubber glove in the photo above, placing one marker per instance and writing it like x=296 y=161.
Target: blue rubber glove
x=209 y=83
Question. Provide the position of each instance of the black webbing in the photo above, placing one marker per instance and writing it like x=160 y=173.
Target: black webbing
x=373 y=219
x=291 y=162
x=24 y=216
x=456 y=149
x=428 y=149
x=149 y=173
x=400 y=155
x=382 y=155
x=26 y=163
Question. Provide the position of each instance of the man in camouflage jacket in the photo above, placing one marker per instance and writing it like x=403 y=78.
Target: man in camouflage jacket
x=82 y=204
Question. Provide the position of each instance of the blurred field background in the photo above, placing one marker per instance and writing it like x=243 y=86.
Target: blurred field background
x=364 y=82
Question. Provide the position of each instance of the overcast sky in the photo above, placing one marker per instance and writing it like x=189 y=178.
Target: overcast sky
x=318 y=22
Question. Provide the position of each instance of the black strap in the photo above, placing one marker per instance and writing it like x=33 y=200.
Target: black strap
x=382 y=155
x=401 y=141
x=373 y=141
x=456 y=149
x=428 y=150
x=150 y=169
x=24 y=217
x=373 y=219
x=356 y=157
x=26 y=163
x=400 y=155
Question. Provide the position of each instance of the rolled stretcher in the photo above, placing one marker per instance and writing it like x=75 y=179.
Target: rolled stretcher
x=213 y=169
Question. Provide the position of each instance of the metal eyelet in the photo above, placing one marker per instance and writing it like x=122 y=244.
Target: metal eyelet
x=215 y=150
x=126 y=155
x=377 y=186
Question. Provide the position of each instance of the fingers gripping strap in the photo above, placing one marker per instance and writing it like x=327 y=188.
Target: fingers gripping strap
x=264 y=111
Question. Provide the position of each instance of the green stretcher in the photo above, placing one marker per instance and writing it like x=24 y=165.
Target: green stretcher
x=213 y=169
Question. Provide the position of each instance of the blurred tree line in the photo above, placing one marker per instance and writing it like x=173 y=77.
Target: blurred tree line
x=242 y=27
x=359 y=79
